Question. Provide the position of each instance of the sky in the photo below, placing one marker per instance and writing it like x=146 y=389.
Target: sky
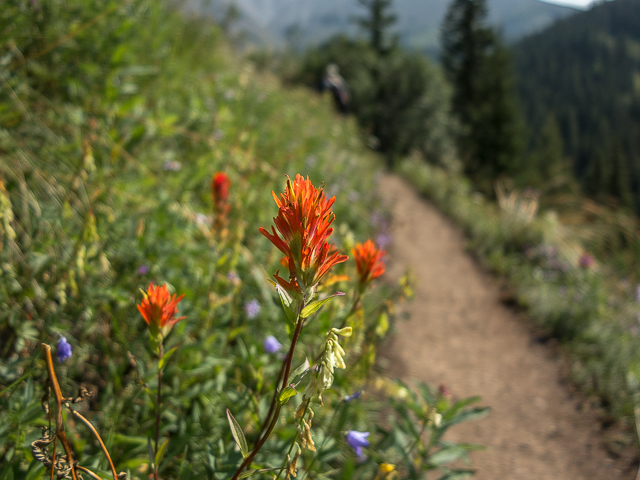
x=572 y=3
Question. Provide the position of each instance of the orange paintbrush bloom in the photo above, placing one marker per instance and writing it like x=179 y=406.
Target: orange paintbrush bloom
x=303 y=227
x=159 y=309
x=220 y=184
x=369 y=262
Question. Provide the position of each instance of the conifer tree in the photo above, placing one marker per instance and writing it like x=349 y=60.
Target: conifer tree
x=484 y=100
x=377 y=23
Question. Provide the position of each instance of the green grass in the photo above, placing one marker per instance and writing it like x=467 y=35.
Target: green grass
x=113 y=118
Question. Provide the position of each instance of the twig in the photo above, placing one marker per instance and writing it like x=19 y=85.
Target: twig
x=59 y=402
x=102 y=445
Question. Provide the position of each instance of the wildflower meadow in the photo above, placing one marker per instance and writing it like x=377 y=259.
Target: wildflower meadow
x=189 y=281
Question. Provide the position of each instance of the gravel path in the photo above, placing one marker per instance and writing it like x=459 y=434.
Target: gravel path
x=461 y=335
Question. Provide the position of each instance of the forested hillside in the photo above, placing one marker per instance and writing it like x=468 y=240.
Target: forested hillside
x=584 y=73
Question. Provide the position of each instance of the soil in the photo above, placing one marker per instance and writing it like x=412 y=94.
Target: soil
x=462 y=335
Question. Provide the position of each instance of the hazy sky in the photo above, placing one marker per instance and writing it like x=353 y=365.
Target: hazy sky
x=574 y=3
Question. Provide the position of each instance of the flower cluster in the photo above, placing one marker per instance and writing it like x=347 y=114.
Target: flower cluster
x=332 y=357
x=303 y=227
x=159 y=309
x=64 y=350
x=369 y=262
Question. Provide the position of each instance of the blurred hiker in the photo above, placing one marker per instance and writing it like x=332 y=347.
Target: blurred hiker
x=334 y=82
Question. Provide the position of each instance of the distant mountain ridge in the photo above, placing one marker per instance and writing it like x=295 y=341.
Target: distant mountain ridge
x=585 y=71
x=418 y=20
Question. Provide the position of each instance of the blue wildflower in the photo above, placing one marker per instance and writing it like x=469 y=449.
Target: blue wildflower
x=357 y=440
x=271 y=344
x=63 y=350
x=143 y=270
x=353 y=396
x=252 y=308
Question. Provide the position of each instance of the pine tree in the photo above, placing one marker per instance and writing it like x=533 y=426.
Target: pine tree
x=484 y=98
x=377 y=24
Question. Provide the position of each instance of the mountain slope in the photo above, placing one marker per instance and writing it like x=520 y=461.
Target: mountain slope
x=585 y=70
x=419 y=20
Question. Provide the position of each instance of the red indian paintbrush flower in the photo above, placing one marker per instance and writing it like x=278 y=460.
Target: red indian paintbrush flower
x=159 y=309
x=304 y=225
x=369 y=262
x=220 y=184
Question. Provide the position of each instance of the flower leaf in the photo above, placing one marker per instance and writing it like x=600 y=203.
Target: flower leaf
x=161 y=451
x=315 y=306
x=150 y=451
x=166 y=357
x=238 y=435
x=287 y=302
x=300 y=373
x=286 y=394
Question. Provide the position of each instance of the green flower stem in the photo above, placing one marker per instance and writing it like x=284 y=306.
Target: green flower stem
x=278 y=407
x=293 y=442
x=155 y=450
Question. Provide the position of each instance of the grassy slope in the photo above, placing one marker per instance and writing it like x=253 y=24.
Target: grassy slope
x=113 y=117
x=86 y=130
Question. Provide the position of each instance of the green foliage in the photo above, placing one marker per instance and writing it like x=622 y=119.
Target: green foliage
x=400 y=98
x=584 y=70
x=478 y=66
x=114 y=116
x=377 y=23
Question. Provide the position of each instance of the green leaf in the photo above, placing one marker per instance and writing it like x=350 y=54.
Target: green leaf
x=300 y=373
x=466 y=415
x=315 y=306
x=447 y=455
x=165 y=358
x=161 y=450
x=150 y=451
x=286 y=394
x=287 y=302
x=7 y=474
x=458 y=474
x=238 y=435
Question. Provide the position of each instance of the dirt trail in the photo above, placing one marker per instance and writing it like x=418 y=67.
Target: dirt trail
x=461 y=335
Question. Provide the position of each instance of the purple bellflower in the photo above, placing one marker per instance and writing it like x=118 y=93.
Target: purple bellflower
x=357 y=440
x=353 y=396
x=271 y=344
x=64 y=349
x=252 y=308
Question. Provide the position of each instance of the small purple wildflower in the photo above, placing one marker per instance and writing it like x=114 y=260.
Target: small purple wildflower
x=271 y=344
x=357 y=440
x=63 y=350
x=586 y=261
x=172 y=166
x=353 y=396
x=383 y=240
x=143 y=270
x=252 y=308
